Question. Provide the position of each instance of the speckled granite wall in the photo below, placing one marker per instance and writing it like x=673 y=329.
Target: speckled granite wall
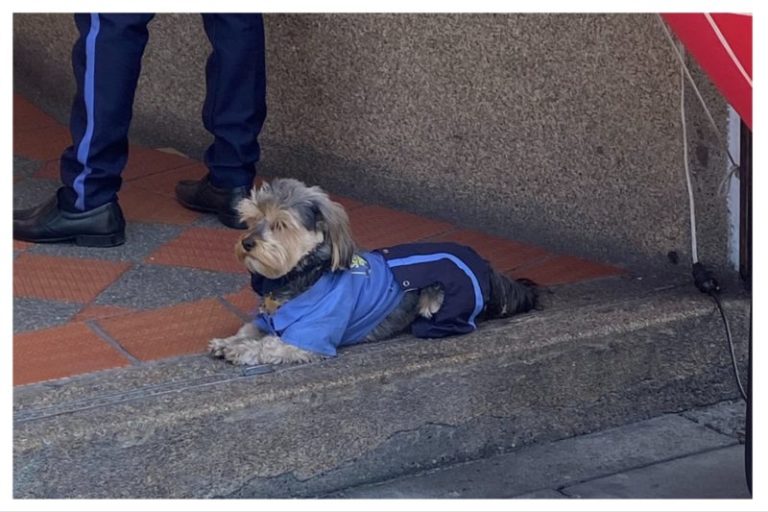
x=562 y=130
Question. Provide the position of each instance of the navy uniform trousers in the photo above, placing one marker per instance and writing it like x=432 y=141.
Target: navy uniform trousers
x=106 y=60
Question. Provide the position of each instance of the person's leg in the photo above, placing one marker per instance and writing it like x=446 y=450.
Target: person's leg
x=106 y=60
x=234 y=112
x=235 y=103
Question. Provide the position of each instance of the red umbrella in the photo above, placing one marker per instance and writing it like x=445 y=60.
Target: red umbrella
x=722 y=45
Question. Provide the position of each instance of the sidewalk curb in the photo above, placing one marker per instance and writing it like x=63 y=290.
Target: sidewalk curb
x=197 y=428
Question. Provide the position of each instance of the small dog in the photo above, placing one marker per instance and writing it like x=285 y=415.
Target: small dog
x=319 y=292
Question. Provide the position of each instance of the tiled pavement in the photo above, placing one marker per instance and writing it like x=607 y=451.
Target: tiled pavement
x=175 y=283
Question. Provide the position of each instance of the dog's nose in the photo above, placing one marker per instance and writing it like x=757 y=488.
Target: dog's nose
x=248 y=243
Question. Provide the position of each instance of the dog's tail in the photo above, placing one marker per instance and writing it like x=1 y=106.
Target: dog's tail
x=511 y=296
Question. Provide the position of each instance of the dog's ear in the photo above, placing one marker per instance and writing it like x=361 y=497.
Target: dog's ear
x=246 y=207
x=334 y=222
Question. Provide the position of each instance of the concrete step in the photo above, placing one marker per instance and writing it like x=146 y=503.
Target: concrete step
x=600 y=355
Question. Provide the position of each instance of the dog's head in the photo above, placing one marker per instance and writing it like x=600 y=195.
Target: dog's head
x=286 y=221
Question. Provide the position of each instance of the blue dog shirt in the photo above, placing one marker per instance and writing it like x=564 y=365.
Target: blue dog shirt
x=343 y=307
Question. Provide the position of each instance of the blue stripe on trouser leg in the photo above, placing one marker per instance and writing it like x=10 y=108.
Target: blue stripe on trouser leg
x=235 y=102
x=85 y=143
x=106 y=62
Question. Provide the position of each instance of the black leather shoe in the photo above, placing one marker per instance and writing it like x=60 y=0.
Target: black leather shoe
x=101 y=227
x=202 y=196
x=25 y=213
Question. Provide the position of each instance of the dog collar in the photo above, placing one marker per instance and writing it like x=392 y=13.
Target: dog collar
x=308 y=270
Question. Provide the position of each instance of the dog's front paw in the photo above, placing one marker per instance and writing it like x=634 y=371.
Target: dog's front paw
x=245 y=352
x=267 y=350
x=217 y=345
x=248 y=332
x=250 y=352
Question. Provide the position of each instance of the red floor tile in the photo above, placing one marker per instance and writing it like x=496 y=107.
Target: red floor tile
x=21 y=246
x=49 y=170
x=145 y=161
x=27 y=116
x=245 y=300
x=60 y=352
x=206 y=248
x=166 y=332
x=43 y=144
x=565 y=270
x=65 y=279
x=348 y=203
x=141 y=205
x=376 y=226
x=165 y=182
x=142 y=166
x=95 y=311
x=502 y=253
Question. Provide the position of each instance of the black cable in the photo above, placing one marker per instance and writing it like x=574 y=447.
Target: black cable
x=706 y=283
x=730 y=344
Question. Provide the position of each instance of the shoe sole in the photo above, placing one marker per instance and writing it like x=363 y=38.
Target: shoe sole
x=195 y=207
x=111 y=240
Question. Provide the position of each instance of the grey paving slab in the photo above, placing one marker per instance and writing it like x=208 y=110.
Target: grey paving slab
x=33 y=314
x=728 y=418
x=209 y=221
x=153 y=286
x=141 y=240
x=714 y=474
x=24 y=168
x=31 y=192
x=554 y=464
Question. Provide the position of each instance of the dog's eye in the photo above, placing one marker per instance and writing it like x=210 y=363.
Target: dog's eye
x=278 y=226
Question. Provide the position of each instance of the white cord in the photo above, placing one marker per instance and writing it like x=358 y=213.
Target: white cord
x=696 y=90
x=694 y=243
x=685 y=72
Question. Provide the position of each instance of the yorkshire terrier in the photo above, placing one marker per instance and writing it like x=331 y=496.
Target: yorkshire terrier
x=319 y=292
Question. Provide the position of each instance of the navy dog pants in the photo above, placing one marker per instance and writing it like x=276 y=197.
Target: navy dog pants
x=106 y=60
